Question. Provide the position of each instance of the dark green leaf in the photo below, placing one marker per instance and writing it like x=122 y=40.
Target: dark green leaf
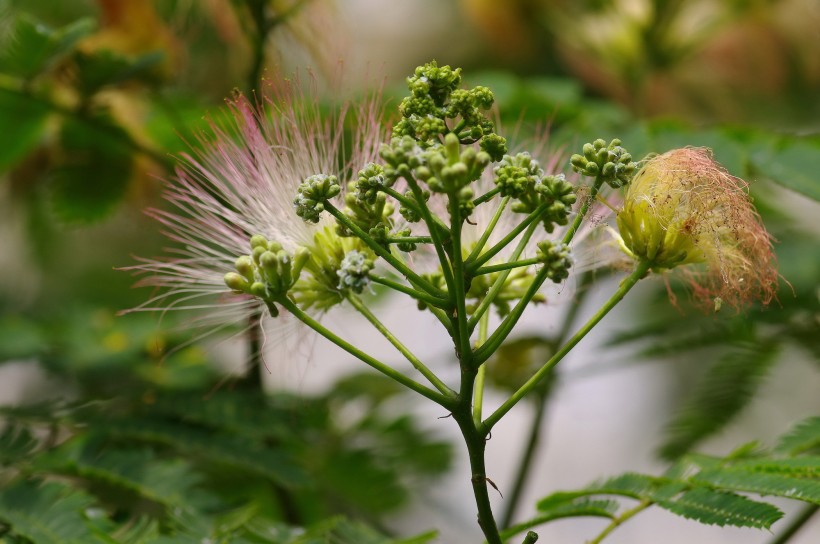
x=104 y=68
x=803 y=438
x=721 y=508
x=35 y=47
x=22 y=119
x=20 y=338
x=793 y=163
x=95 y=170
x=48 y=513
x=572 y=508
x=781 y=485
x=236 y=452
x=16 y=443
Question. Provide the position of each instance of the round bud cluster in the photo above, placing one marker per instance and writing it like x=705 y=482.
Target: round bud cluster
x=434 y=81
x=445 y=170
x=312 y=194
x=556 y=259
x=412 y=215
x=370 y=181
x=400 y=157
x=517 y=175
x=269 y=271
x=365 y=214
x=611 y=163
x=559 y=195
x=354 y=271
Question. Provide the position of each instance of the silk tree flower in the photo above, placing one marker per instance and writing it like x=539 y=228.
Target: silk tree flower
x=684 y=210
x=240 y=185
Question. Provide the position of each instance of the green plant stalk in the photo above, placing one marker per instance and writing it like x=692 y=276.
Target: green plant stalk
x=418 y=295
x=435 y=396
x=797 y=523
x=415 y=361
x=582 y=211
x=476 y=251
x=253 y=376
x=506 y=266
x=385 y=254
x=412 y=205
x=627 y=284
x=410 y=239
x=488 y=299
x=459 y=290
x=424 y=211
x=487 y=196
x=475 y=264
x=620 y=520
x=510 y=321
x=476 y=444
x=536 y=426
x=478 y=390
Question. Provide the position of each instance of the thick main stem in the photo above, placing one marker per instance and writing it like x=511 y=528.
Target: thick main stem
x=476 y=444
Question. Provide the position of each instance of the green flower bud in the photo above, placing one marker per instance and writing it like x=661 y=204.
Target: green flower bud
x=556 y=259
x=236 y=282
x=245 y=266
x=312 y=193
x=257 y=240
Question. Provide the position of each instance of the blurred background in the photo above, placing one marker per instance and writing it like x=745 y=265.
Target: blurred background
x=142 y=432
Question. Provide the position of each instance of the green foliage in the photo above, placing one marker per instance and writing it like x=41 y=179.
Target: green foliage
x=146 y=458
x=94 y=175
x=703 y=488
x=35 y=48
x=28 y=117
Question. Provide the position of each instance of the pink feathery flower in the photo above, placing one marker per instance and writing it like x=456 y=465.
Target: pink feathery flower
x=242 y=183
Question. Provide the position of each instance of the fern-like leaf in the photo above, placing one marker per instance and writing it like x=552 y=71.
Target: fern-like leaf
x=780 y=485
x=16 y=443
x=722 y=508
x=230 y=450
x=726 y=389
x=802 y=438
x=48 y=513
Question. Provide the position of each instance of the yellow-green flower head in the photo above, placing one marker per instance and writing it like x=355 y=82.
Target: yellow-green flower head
x=683 y=208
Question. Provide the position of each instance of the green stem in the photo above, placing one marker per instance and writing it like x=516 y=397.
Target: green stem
x=424 y=211
x=478 y=390
x=253 y=374
x=582 y=211
x=490 y=253
x=618 y=521
x=797 y=523
x=418 y=295
x=476 y=251
x=415 y=361
x=537 y=425
x=459 y=289
x=487 y=196
x=379 y=250
x=488 y=299
x=413 y=206
x=435 y=396
x=409 y=239
x=628 y=283
x=506 y=266
x=476 y=444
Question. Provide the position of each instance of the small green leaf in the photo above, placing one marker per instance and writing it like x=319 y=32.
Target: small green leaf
x=34 y=47
x=22 y=120
x=105 y=68
x=781 y=485
x=722 y=508
x=802 y=438
x=792 y=163
x=95 y=170
x=49 y=513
